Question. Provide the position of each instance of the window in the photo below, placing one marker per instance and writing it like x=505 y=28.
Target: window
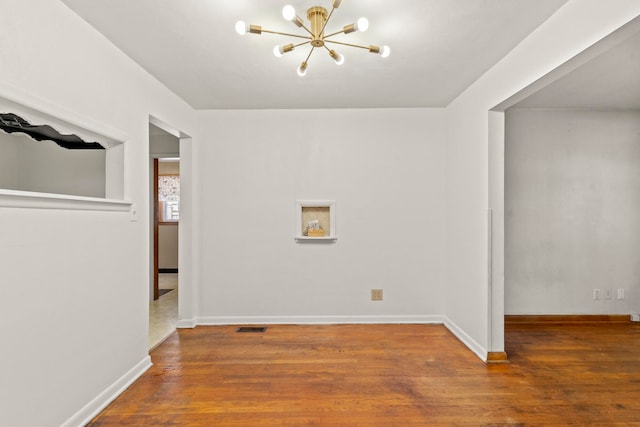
x=169 y=198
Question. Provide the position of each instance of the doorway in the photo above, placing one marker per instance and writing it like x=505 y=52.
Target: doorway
x=164 y=149
x=570 y=155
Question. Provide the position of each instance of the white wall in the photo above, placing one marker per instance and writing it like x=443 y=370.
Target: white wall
x=168 y=246
x=575 y=27
x=74 y=306
x=162 y=144
x=43 y=166
x=168 y=234
x=384 y=169
x=8 y=161
x=94 y=326
x=572 y=200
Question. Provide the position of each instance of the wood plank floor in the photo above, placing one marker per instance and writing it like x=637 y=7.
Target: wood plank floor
x=386 y=375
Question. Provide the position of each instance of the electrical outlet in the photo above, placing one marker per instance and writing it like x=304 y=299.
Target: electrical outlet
x=607 y=294
x=376 y=294
x=621 y=293
x=596 y=294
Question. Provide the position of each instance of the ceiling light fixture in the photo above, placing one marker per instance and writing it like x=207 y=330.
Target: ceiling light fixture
x=318 y=19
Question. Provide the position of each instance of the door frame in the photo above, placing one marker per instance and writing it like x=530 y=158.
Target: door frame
x=156 y=232
x=188 y=260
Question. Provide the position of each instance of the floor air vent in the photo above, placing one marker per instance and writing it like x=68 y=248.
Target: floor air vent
x=258 y=329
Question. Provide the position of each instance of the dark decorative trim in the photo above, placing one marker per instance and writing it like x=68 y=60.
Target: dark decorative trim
x=580 y=318
x=11 y=123
x=167 y=270
x=494 y=357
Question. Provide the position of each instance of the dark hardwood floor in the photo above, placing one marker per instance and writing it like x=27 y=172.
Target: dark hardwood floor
x=386 y=375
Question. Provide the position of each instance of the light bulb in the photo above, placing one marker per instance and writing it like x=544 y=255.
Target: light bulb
x=241 y=28
x=288 y=12
x=302 y=69
x=362 y=24
x=339 y=59
x=385 y=51
x=278 y=51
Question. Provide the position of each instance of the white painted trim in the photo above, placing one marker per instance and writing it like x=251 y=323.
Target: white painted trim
x=186 y=324
x=93 y=408
x=466 y=339
x=319 y=320
x=164 y=155
x=307 y=238
x=435 y=319
x=331 y=204
x=32 y=200
x=165 y=127
x=41 y=106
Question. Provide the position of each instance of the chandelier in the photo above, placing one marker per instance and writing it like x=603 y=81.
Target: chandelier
x=318 y=19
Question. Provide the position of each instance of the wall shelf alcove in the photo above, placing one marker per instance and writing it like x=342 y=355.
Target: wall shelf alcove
x=50 y=161
x=315 y=221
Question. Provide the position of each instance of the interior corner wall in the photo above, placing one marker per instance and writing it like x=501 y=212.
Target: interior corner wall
x=75 y=283
x=385 y=171
x=575 y=27
x=164 y=145
x=45 y=167
x=8 y=161
x=572 y=195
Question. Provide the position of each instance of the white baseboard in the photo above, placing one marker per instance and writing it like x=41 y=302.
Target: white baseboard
x=337 y=320
x=466 y=339
x=186 y=324
x=93 y=408
x=318 y=320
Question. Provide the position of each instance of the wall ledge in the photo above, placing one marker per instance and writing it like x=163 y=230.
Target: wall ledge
x=32 y=200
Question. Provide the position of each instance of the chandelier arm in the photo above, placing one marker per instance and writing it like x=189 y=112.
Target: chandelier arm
x=334 y=34
x=310 y=52
x=347 y=44
x=302 y=44
x=327 y=21
x=286 y=34
x=307 y=29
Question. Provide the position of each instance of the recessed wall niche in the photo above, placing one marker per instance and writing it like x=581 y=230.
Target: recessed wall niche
x=80 y=163
x=315 y=220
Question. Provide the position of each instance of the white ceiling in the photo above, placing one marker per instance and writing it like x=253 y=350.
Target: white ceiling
x=609 y=81
x=438 y=48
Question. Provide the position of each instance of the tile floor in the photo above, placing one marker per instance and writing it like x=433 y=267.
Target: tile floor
x=163 y=313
